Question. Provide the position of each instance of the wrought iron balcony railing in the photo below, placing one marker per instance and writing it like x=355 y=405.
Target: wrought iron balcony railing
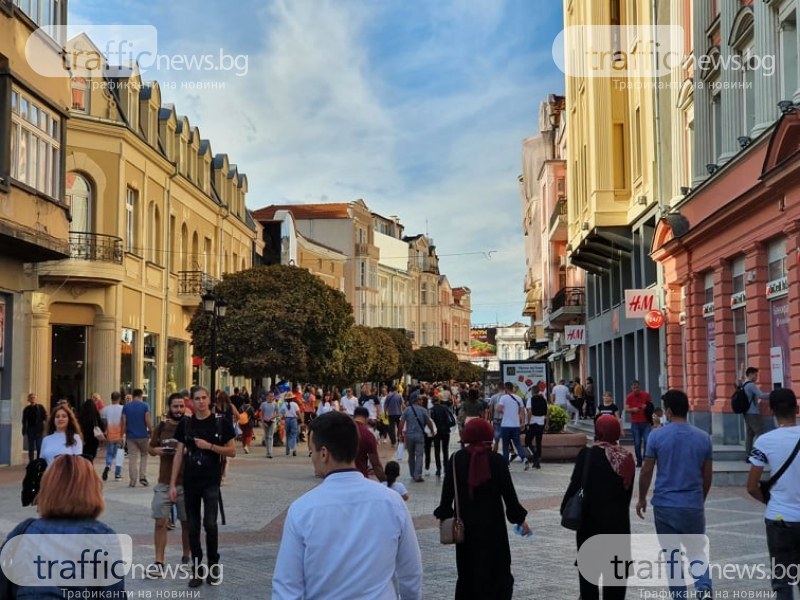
x=568 y=296
x=95 y=246
x=195 y=283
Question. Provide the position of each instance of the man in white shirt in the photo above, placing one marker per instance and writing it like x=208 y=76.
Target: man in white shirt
x=112 y=415
x=512 y=409
x=372 y=546
x=782 y=516
x=561 y=396
x=349 y=402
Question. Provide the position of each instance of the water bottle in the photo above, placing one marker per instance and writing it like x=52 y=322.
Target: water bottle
x=518 y=531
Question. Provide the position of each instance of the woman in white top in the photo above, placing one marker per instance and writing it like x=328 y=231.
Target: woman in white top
x=63 y=435
x=326 y=405
x=290 y=411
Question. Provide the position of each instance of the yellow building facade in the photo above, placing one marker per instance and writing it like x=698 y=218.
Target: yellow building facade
x=156 y=220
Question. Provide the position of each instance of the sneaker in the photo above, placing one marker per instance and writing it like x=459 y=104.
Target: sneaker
x=155 y=571
x=294 y=452
x=536 y=465
x=438 y=472
x=105 y=473
x=246 y=450
x=132 y=484
x=427 y=472
x=170 y=524
x=117 y=477
x=195 y=582
x=269 y=456
x=527 y=466
x=143 y=481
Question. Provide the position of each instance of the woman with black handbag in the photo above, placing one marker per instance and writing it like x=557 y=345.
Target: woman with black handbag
x=607 y=486
x=483 y=485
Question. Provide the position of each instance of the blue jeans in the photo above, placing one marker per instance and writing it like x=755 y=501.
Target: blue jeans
x=640 y=432
x=677 y=521
x=291 y=434
x=511 y=435
x=111 y=454
x=415 y=445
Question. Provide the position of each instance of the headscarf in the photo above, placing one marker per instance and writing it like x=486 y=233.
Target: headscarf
x=607 y=432
x=478 y=436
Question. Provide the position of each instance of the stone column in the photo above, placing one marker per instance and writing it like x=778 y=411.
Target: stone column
x=731 y=89
x=766 y=29
x=724 y=336
x=674 y=341
x=106 y=351
x=702 y=151
x=40 y=356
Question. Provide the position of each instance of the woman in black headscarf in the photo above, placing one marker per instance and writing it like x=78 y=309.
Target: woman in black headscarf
x=483 y=559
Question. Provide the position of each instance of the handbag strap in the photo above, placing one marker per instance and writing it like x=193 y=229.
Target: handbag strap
x=774 y=479
x=455 y=489
x=421 y=426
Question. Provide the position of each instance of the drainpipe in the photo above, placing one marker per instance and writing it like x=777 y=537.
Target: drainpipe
x=167 y=269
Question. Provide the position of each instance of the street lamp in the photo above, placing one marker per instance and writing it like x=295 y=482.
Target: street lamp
x=485 y=370
x=215 y=308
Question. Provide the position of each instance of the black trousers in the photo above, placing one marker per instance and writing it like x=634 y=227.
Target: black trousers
x=34 y=444
x=534 y=434
x=208 y=498
x=394 y=424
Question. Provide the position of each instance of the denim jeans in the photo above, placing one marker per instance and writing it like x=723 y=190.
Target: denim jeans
x=291 y=434
x=783 y=541
x=208 y=497
x=677 y=521
x=640 y=432
x=415 y=445
x=511 y=435
x=269 y=435
x=111 y=454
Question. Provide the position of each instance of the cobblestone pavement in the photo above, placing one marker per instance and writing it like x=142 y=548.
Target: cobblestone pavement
x=258 y=491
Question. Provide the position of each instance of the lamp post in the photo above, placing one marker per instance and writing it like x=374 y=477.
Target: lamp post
x=215 y=308
x=485 y=371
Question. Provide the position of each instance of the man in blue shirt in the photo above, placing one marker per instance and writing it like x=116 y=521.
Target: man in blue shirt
x=135 y=426
x=753 y=423
x=683 y=454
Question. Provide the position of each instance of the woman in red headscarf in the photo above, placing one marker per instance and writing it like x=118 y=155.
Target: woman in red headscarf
x=483 y=559
x=607 y=496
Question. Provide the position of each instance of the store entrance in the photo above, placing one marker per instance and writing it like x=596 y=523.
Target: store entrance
x=68 y=368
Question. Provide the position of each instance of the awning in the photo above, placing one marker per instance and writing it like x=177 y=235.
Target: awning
x=555 y=356
x=570 y=354
x=602 y=248
x=542 y=354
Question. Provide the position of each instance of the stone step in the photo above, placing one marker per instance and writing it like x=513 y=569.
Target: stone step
x=732 y=453
x=731 y=473
x=586 y=426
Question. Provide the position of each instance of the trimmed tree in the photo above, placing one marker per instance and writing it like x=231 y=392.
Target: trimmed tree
x=280 y=319
x=469 y=372
x=432 y=363
x=401 y=343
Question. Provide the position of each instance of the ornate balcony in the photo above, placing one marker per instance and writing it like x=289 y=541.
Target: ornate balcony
x=95 y=246
x=567 y=304
x=559 y=216
x=195 y=283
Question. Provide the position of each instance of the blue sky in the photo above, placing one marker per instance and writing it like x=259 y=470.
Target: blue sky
x=417 y=107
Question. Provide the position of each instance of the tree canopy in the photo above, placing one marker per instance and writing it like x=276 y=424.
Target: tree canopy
x=469 y=372
x=280 y=319
x=432 y=363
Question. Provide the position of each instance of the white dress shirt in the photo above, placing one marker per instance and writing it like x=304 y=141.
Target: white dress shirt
x=347 y=538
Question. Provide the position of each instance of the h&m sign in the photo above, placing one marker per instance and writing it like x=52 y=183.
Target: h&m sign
x=640 y=302
x=575 y=335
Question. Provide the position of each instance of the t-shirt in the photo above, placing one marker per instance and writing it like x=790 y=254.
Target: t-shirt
x=611 y=409
x=55 y=445
x=349 y=405
x=637 y=400
x=394 y=404
x=680 y=450
x=538 y=407
x=372 y=408
x=291 y=409
x=164 y=435
x=773 y=449
x=493 y=402
x=560 y=394
x=754 y=394
x=203 y=468
x=267 y=411
x=113 y=417
x=397 y=487
x=415 y=417
x=366 y=446
x=511 y=404
x=325 y=407
x=135 y=425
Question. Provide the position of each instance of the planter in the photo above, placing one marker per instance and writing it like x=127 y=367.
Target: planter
x=562 y=446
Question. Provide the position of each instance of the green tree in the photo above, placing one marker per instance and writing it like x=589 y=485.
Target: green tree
x=469 y=372
x=369 y=355
x=432 y=363
x=280 y=319
x=405 y=352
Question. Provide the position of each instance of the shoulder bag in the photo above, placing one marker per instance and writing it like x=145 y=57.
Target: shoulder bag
x=572 y=517
x=766 y=486
x=451 y=531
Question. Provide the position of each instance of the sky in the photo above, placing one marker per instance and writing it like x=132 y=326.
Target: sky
x=417 y=107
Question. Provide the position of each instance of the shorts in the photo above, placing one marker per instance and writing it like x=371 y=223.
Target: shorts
x=162 y=505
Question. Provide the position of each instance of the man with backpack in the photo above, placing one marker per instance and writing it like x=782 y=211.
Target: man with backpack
x=206 y=438
x=753 y=423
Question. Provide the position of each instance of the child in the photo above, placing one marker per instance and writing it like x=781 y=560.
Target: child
x=392 y=471
x=659 y=419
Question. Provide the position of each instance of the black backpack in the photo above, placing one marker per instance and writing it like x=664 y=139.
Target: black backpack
x=32 y=480
x=739 y=400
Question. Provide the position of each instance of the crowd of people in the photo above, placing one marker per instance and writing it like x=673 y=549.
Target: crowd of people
x=196 y=439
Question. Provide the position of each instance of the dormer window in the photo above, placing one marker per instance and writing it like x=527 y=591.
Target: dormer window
x=80 y=94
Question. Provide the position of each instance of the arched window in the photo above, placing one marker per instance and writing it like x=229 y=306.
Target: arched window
x=184 y=248
x=153 y=251
x=194 y=261
x=79 y=197
x=80 y=94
